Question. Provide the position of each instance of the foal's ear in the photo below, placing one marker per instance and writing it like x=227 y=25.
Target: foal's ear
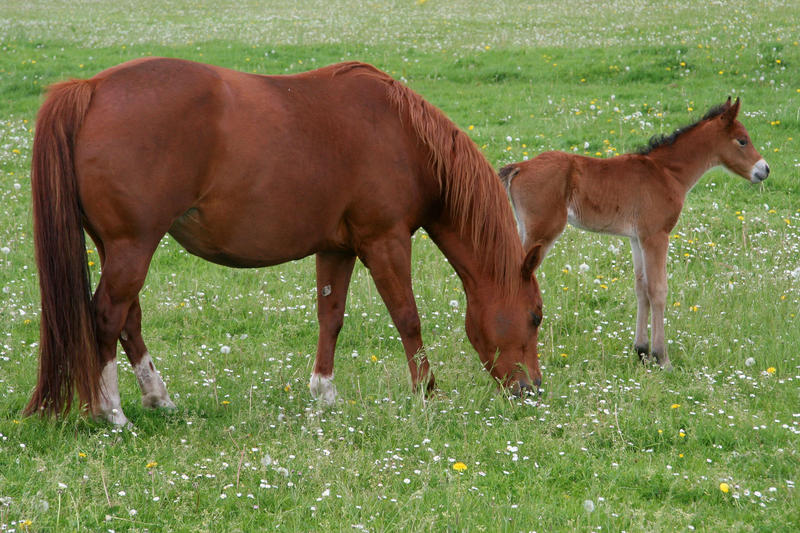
x=731 y=112
x=532 y=261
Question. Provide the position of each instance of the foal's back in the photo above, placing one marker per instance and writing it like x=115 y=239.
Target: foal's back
x=613 y=195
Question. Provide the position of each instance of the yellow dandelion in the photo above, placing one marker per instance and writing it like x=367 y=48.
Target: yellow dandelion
x=724 y=487
x=151 y=464
x=675 y=405
x=225 y=402
x=563 y=355
x=287 y=387
x=680 y=455
x=81 y=454
x=459 y=467
x=91 y=263
x=681 y=434
x=373 y=358
x=471 y=127
x=771 y=370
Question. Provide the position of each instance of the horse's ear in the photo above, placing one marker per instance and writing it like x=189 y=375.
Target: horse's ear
x=532 y=260
x=731 y=111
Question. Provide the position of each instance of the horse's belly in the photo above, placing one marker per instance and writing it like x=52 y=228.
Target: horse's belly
x=612 y=225
x=238 y=245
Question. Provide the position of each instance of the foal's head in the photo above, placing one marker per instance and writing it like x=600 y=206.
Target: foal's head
x=505 y=331
x=736 y=151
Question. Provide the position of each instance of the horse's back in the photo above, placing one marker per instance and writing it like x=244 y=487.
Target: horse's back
x=244 y=169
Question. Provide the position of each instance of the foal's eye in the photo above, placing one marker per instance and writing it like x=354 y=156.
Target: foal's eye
x=536 y=319
x=742 y=142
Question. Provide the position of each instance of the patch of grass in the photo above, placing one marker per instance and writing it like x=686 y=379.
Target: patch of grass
x=248 y=449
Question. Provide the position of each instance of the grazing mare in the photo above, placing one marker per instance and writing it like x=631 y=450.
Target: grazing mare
x=638 y=195
x=249 y=171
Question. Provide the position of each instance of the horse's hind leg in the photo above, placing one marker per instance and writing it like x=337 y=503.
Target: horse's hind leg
x=655 y=264
x=389 y=262
x=124 y=271
x=154 y=392
x=333 y=278
x=641 y=342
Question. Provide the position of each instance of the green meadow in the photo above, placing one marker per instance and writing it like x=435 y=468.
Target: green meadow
x=610 y=445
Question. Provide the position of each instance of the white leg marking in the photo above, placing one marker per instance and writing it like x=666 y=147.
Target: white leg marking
x=154 y=392
x=323 y=389
x=110 y=408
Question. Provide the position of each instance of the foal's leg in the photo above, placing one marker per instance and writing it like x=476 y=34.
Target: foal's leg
x=641 y=342
x=124 y=270
x=333 y=279
x=154 y=392
x=655 y=263
x=389 y=262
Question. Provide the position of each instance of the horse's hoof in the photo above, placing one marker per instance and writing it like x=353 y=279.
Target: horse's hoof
x=323 y=389
x=156 y=401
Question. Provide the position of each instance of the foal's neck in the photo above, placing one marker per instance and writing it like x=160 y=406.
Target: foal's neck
x=688 y=158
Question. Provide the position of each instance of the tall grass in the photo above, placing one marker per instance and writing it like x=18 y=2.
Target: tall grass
x=248 y=449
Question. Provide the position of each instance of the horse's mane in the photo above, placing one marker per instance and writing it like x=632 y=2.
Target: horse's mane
x=656 y=141
x=471 y=192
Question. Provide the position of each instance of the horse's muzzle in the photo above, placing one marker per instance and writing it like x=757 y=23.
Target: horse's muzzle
x=523 y=389
x=760 y=172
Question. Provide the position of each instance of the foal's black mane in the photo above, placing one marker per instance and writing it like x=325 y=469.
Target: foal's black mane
x=664 y=139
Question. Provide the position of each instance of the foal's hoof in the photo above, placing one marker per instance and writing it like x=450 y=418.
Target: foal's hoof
x=643 y=350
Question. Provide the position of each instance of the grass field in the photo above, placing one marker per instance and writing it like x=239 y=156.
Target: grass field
x=611 y=445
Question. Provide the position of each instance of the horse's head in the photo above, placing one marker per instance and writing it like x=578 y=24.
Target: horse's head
x=505 y=331
x=736 y=151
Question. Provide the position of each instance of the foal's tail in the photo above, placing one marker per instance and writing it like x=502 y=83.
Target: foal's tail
x=507 y=173
x=68 y=352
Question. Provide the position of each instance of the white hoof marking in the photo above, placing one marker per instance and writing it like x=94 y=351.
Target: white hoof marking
x=154 y=392
x=110 y=407
x=323 y=389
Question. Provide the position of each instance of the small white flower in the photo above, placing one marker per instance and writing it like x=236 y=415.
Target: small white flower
x=588 y=505
x=225 y=349
x=583 y=267
x=266 y=460
x=62 y=486
x=133 y=512
x=5 y=250
x=586 y=145
x=749 y=361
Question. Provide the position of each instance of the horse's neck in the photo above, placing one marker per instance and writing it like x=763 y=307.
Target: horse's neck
x=688 y=158
x=461 y=254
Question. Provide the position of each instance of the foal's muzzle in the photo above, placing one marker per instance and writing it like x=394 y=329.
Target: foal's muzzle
x=760 y=172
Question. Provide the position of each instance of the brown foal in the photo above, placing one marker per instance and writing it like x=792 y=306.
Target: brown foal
x=638 y=195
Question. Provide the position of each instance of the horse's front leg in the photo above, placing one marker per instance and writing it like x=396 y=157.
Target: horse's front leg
x=655 y=264
x=154 y=392
x=389 y=262
x=641 y=342
x=333 y=279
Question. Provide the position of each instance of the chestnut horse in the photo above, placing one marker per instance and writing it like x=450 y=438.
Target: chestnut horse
x=248 y=171
x=638 y=195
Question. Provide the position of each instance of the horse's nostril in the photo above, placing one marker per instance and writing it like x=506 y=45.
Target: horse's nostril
x=767 y=171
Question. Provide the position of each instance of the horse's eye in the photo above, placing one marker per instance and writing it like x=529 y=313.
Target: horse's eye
x=742 y=142
x=536 y=319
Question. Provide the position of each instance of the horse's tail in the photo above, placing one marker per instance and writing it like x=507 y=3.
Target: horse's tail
x=507 y=173
x=68 y=349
